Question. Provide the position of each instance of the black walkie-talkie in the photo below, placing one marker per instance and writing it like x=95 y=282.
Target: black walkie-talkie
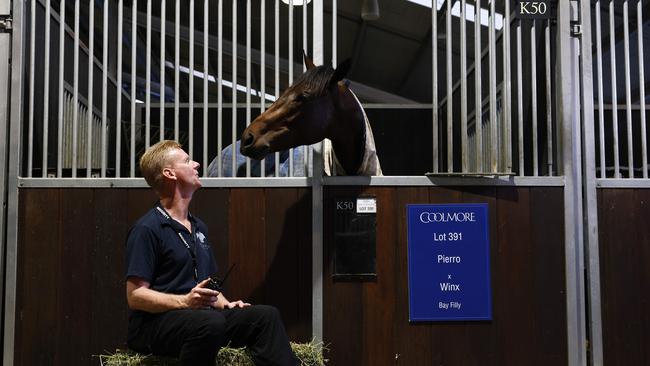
x=216 y=283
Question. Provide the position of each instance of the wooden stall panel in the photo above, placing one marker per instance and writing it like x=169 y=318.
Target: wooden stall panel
x=528 y=326
x=624 y=241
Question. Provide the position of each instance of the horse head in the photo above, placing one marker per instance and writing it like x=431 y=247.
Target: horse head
x=300 y=116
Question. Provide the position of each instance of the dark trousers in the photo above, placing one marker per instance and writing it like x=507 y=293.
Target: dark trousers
x=195 y=336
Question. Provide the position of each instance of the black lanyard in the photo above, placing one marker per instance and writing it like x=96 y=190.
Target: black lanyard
x=187 y=245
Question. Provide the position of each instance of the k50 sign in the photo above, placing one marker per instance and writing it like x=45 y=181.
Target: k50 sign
x=530 y=9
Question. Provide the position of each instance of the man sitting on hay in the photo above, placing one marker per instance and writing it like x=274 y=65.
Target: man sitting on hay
x=169 y=261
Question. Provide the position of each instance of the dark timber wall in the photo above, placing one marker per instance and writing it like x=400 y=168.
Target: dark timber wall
x=624 y=238
x=71 y=301
x=71 y=298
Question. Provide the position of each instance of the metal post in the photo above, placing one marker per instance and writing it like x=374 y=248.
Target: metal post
x=317 y=192
x=569 y=116
x=590 y=200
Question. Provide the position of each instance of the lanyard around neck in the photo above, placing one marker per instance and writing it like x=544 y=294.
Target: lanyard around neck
x=187 y=245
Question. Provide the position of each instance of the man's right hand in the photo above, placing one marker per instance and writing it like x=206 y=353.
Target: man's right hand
x=200 y=296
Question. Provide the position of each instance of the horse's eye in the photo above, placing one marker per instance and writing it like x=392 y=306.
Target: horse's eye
x=301 y=97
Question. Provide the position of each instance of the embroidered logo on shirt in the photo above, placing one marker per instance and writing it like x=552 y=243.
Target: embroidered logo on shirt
x=200 y=236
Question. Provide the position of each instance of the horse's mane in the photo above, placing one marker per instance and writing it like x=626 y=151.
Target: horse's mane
x=314 y=81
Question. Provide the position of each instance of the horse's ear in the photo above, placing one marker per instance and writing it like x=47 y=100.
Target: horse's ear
x=309 y=63
x=341 y=70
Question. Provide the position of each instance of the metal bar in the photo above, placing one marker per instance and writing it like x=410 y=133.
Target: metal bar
x=147 y=107
x=191 y=82
x=533 y=81
x=262 y=70
x=220 y=85
x=32 y=54
x=549 y=101
x=450 y=93
x=206 y=50
x=305 y=148
x=118 y=115
x=644 y=143
x=104 y=147
x=290 y=58
x=335 y=32
x=163 y=61
x=59 y=154
x=612 y=52
x=134 y=46
x=507 y=106
x=177 y=56
x=463 y=86
x=434 y=86
x=628 y=92
x=317 y=191
x=46 y=89
x=277 y=71
x=91 y=67
x=590 y=200
x=520 y=103
x=75 y=88
x=601 y=116
x=248 y=76
x=234 y=89
x=569 y=115
x=478 y=93
x=494 y=142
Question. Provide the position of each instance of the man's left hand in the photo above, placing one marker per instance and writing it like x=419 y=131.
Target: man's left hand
x=237 y=304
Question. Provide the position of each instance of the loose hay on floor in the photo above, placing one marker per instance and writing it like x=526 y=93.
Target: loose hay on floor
x=309 y=354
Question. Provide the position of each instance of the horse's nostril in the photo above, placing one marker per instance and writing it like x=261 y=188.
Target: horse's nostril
x=248 y=139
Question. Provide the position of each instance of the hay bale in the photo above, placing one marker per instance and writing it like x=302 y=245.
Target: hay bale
x=309 y=354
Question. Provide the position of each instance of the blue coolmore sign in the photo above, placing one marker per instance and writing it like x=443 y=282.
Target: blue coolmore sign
x=449 y=262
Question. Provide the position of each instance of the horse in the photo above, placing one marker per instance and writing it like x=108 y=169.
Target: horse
x=318 y=106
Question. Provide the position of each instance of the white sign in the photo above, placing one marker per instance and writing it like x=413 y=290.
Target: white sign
x=366 y=205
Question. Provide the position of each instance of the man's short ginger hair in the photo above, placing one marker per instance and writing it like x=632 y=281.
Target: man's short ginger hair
x=154 y=160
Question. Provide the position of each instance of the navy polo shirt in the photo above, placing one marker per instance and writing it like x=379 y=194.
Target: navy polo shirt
x=156 y=253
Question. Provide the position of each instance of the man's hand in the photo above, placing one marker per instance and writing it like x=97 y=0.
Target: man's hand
x=201 y=296
x=237 y=304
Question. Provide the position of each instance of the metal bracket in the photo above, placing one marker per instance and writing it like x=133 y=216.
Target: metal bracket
x=576 y=29
x=6 y=23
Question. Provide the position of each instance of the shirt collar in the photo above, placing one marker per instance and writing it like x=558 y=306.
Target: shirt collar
x=165 y=219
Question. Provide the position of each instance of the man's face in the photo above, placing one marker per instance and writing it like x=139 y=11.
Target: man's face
x=184 y=169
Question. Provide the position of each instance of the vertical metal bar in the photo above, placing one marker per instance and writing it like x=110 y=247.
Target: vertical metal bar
x=334 y=32
x=206 y=51
x=290 y=58
x=494 y=142
x=478 y=93
x=262 y=70
x=190 y=108
x=46 y=88
x=75 y=90
x=612 y=52
x=590 y=200
x=569 y=117
x=628 y=92
x=434 y=86
x=59 y=155
x=248 y=76
x=463 y=86
x=450 y=92
x=32 y=49
x=599 y=77
x=317 y=192
x=234 y=89
x=642 y=111
x=305 y=149
x=549 y=110
x=118 y=115
x=104 y=146
x=220 y=87
x=520 y=103
x=134 y=47
x=147 y=107
x=277 y=71
x=507 y=92
x=177 y=57
x=91 y=67
x=163 y=62
x=533 y=80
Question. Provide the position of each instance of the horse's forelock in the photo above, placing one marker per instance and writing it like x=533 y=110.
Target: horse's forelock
x=314 y=81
